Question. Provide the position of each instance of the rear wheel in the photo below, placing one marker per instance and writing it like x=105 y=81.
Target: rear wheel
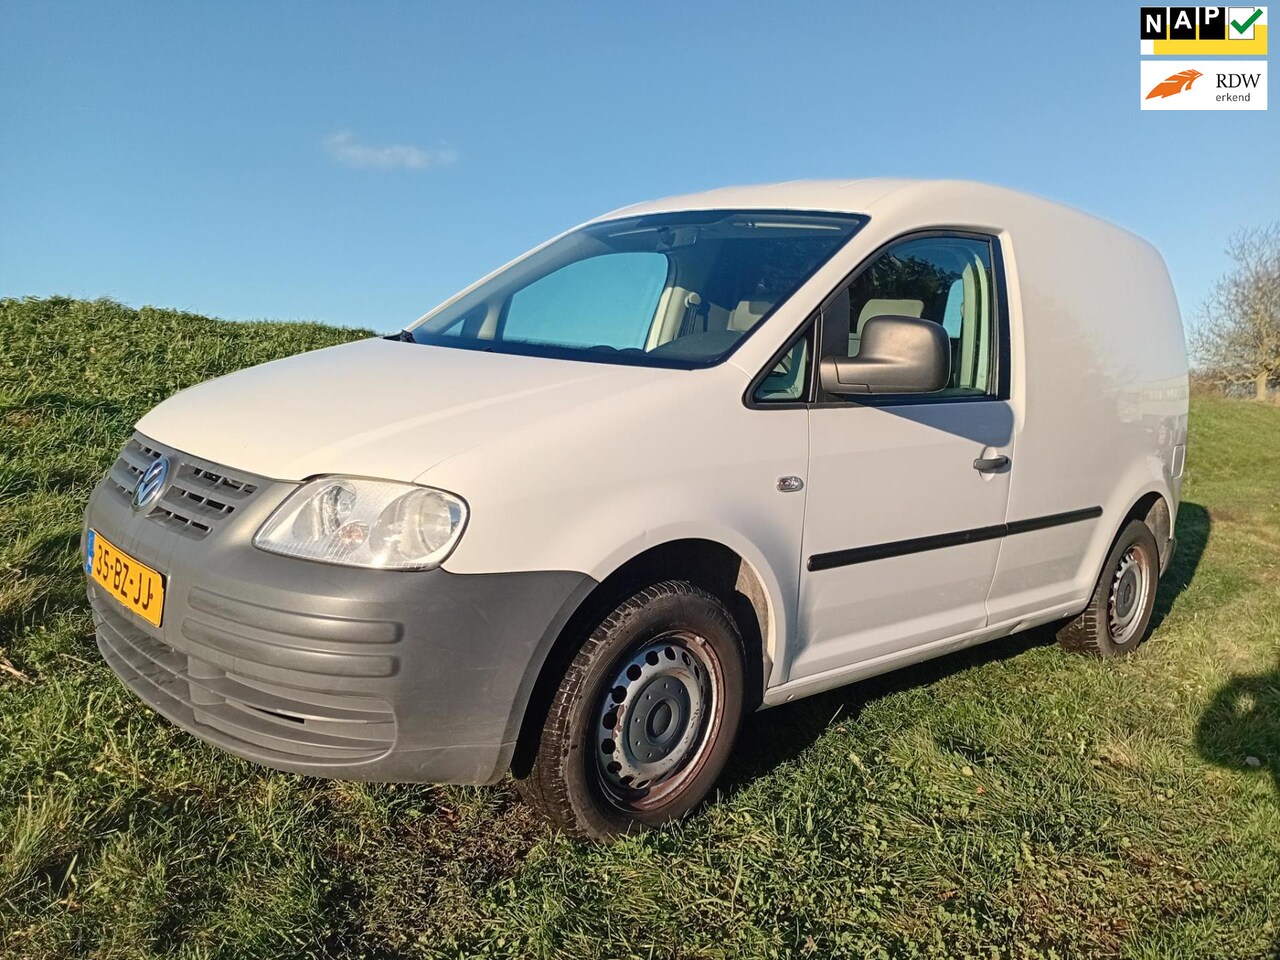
x=1118 y=616
x=645 y=717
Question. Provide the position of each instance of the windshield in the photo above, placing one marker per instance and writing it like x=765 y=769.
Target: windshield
x=673 y=289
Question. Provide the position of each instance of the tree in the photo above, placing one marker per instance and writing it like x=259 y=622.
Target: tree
x=1237 y=339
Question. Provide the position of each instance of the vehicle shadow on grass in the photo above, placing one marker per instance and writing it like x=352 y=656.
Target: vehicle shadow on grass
x=1240 y=729
x=1192 y=531
x=772 y=737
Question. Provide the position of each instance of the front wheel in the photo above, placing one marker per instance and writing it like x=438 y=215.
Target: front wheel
x=645 y=717
x=1118 y=616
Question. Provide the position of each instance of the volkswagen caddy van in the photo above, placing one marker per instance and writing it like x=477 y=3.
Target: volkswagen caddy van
x=698 y=457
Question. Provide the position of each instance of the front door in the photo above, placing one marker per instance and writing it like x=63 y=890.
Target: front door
x=907 y=495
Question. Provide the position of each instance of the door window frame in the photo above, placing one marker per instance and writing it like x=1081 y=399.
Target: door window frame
x=817 y=398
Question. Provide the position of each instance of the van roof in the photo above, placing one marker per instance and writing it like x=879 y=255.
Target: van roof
x=867 y=196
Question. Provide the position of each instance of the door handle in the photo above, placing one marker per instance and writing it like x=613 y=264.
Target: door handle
x=990 y=464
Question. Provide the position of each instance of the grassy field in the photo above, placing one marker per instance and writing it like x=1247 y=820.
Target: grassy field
x=1011 y=801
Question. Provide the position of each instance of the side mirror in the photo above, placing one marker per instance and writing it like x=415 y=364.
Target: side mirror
x=898 y=355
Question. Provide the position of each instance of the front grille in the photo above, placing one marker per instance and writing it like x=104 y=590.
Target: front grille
x=199 y=495
x=243 y=713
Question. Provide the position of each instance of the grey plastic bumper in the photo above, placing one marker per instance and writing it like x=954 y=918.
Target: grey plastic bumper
x=325 y=670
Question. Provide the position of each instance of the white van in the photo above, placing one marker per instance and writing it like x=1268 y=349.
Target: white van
x=697 y=457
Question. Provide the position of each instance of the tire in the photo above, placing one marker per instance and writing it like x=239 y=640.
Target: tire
x=1118 y=616
x=604 y=767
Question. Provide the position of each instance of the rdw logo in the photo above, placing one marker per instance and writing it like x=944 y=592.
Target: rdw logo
x=1232 y=80
x=1203 y=85
x=1178 y=83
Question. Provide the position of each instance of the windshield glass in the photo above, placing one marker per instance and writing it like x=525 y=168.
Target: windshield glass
x=673 y=289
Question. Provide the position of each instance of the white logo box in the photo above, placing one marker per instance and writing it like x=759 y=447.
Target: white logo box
x=1222 y=85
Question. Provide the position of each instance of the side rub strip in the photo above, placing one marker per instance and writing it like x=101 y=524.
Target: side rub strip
x=898 y=548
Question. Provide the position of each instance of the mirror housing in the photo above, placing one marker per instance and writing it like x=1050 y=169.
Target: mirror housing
x=898 y=355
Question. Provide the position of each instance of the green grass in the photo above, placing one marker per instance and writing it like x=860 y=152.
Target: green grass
x=1011 y=801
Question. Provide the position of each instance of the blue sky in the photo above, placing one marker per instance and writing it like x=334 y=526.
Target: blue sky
x=356 y=163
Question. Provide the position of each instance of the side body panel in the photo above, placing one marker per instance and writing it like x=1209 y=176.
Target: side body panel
x=595 y=486
x=1102 y=382
x=879 y=475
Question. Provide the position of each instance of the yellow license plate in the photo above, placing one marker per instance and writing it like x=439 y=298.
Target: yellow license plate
x=131 y=582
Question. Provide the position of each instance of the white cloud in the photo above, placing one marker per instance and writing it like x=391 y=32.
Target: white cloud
x=347 y=150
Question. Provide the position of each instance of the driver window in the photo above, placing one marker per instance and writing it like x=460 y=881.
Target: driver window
x=943 y=279
x=607 y=300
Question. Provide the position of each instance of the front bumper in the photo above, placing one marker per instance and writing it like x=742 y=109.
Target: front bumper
x=317 y=669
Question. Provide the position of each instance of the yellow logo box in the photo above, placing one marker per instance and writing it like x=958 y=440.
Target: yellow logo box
x=1204 y=31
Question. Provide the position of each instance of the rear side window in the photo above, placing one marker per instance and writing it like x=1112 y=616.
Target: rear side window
x=944 y=279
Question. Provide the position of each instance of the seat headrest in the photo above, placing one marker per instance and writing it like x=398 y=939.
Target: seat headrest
x=890 y=308
x=747 y=313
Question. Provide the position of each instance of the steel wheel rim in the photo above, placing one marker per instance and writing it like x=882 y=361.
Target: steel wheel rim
x=1130 y=587
x=656 y=719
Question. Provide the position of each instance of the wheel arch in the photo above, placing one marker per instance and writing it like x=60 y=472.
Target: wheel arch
x=1151 y=505
x=1153 y=509
x=707 y=563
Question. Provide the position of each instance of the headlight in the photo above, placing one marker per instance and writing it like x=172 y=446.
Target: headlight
x=365 y=523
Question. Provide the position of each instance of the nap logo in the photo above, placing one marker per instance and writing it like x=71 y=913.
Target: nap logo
x=1203 y=84
x=1203 y=31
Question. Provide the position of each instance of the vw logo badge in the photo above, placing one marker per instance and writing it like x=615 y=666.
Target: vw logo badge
x=151 y=484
